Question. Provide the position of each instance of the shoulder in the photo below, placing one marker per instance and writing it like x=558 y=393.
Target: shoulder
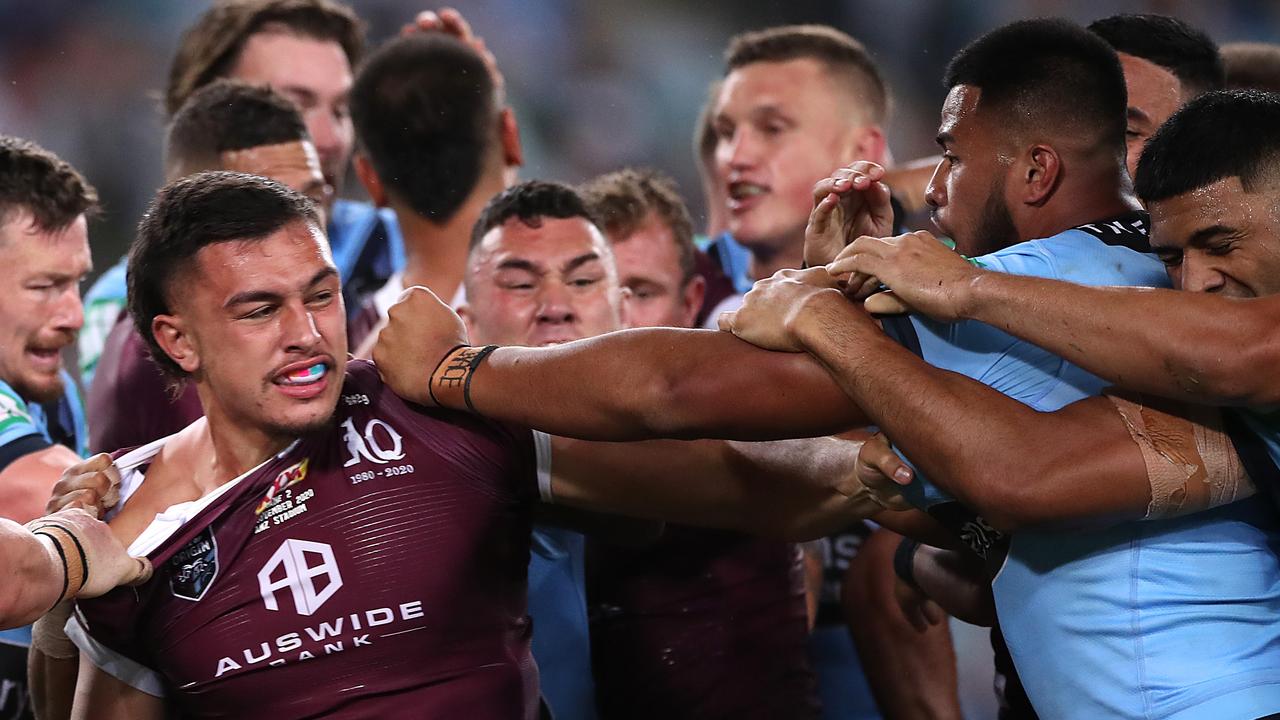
x=1077 y=256
x=16 y=419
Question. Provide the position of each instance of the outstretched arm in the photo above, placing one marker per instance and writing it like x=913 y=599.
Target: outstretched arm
x=628 y=385
x=1186 y=346
x=1011 y=464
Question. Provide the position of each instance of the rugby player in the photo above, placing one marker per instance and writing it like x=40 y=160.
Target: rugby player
x=1010 y=173
x=701 y=623
x=225 y=125
x=438 y=171
x=305 y=50
x=317 y=526
x=1166 y=64
x=44 y=248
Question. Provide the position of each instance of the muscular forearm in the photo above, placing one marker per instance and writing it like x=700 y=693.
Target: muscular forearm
x=1001 y=458
x=654 y=383
x=1189 y=346
x=34 y=575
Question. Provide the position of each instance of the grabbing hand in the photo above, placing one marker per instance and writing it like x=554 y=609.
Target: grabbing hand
x=106 y=563
x=882 y=472
x=924 y=274
x=93 y=485
x=419 y=332
x=851 y=203
x=770 y=311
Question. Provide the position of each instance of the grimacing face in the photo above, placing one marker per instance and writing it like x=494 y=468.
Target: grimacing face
x=40 y=308
x=779 y=131
x=260 y=326
x=1220 y=239
x=649 y=265
x=316 y=76
x=967 y=191
x=542 y=285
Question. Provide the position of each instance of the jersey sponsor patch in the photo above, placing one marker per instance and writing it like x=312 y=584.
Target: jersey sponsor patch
x=194 y=567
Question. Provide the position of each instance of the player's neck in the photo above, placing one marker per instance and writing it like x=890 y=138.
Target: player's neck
x=1078 y=202
x=229 y=448
x=767 y=259
x=436 y=253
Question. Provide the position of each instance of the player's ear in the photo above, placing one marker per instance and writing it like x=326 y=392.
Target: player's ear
x=464 y=312
x=869 y=143
x=694 y=292
x=370 y=180
x=1041 y=175
x=171 y=335
x=509 y=131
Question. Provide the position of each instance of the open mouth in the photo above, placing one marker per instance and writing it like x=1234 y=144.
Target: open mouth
x=742 y=190
x=46 y=357
x=304 y=379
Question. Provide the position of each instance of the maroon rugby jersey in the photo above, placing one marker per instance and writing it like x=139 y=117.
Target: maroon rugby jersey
x=705 y=624
x=130 y=403
x=374 y=569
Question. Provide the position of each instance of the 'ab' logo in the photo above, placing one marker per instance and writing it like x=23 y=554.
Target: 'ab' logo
x=193 y=568
x=294 y=558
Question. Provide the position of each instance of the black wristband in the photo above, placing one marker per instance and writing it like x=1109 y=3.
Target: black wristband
x=904 y=561
x=66 y=571
x=475 y=363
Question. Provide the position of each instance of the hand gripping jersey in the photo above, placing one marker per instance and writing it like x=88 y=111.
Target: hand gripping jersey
x=1154 y=619
x=372 y=569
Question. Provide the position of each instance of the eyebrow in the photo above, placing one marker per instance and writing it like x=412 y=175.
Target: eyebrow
x=253 y=296
x=579 y=261
x=1203 y=235
x=519 y=264
x=1135 y=113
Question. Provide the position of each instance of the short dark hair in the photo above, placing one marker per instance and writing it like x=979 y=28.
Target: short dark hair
x=530 y=202
x=623 y=200
x=192 y=213
x=1187 y=52
x=1228 y=133
x=425 y=112
x=35 y=180
x=210 y=48
x=1253 y=66
x=228 y=115
x=1046 y=72
x=845 y=58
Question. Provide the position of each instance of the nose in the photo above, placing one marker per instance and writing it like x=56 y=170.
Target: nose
x=1200 y=276
x=69 y=314
x=555 y=306
x=935 y=193
x=325 y=131
x=740 y=151
x=299 y=329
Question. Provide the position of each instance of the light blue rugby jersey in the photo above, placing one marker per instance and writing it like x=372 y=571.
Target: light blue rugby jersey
x=1156 y=619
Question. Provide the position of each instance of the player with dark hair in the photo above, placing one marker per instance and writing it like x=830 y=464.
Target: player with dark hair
x=44 y=248
x=1036 y=152
x=226 y=125
x=437 y=141
x=268 y=520
x=1166 y=63
x=305 y=50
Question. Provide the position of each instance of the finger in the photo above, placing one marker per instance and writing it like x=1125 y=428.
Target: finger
x=141 y=573
x=879 y=454
x=726 y=320
x=916 y=618
x=427 y=20
x=933 y=612
x=97 y=463
x=457 y=24
x=822 y=189
x=862 y=286
x=88 y=500
x=886 y=303
x=820 y=218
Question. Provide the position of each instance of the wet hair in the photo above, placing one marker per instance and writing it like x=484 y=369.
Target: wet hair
x=228 y=115
x=530 y=202
x=1047 y=73
x=425 y=111
x=624 y=199
x=1252 y=66
x=35 y=180
x=211 y=47
x=845 y=58
x=1223 y=134
x=1187 y=52
x=190 y=214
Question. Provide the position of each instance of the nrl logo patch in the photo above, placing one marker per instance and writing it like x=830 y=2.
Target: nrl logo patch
x=194 y=567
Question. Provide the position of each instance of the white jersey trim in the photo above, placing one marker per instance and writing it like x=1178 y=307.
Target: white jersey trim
x=130 y=672
x=542 y=451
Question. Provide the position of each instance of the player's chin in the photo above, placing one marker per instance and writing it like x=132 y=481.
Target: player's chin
x=41 y=386
x=302 y=423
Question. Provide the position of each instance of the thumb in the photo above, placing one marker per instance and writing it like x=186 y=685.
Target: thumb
x=727 y=320
x=141 y=573
x=886 y=303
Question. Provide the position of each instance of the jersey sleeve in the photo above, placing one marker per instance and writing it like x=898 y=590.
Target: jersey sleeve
x=21 y=432
x=104 y=630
